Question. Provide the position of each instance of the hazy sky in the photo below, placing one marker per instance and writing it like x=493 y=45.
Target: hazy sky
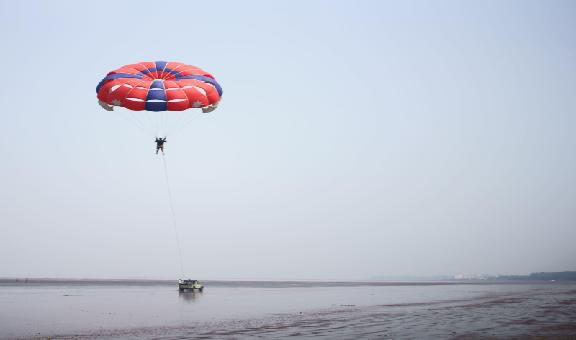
x=355 y=139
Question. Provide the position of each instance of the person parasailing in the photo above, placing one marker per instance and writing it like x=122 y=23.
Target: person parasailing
x=159 y=86
x=160 y=144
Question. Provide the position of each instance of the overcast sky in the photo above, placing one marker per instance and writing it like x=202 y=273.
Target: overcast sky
x=354 y=139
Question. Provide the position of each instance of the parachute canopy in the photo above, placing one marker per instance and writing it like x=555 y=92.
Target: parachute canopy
x=159 y=86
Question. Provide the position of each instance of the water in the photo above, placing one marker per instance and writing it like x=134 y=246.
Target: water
x=285 y=309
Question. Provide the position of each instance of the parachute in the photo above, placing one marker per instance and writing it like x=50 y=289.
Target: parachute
x=159 y=86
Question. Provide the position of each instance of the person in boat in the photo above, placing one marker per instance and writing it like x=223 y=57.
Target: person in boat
x=160 y=144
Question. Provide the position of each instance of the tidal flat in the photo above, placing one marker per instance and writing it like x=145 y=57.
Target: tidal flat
x=61 y=309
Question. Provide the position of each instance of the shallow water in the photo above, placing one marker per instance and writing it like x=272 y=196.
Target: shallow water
x=278 y=310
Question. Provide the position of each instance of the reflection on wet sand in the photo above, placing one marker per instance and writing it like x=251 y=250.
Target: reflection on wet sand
x=190 y=296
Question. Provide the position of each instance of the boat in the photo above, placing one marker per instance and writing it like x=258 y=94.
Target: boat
x=192 y=285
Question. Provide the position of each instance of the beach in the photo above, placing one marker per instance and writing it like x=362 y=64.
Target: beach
x=242 y=309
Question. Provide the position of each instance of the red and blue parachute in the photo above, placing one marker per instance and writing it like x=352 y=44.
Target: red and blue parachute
x=159 y=86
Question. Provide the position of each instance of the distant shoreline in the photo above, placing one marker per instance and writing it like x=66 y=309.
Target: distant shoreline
x=250 y=283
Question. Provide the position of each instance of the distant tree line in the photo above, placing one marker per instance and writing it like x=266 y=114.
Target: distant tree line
x=545 y=276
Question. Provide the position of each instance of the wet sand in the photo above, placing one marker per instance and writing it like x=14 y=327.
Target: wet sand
x=520 y=311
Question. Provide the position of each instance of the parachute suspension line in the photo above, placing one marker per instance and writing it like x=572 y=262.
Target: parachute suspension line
x=131 y=116
x=152 y=117
x=159 y=122
x=165 y=127
x=164 y=124
x=130 y=120
x=183 y=120
x=155 y=122
x=175 y=120
x=173 y=216
x=160 y=119
x=189 y=118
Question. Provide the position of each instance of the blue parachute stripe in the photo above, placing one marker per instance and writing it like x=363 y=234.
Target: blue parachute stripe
x=171 y=71
x=116 y=76
x=160 y=65
x=156 y=94
x=157 y=84
x=156 y=106
x=204 y=79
